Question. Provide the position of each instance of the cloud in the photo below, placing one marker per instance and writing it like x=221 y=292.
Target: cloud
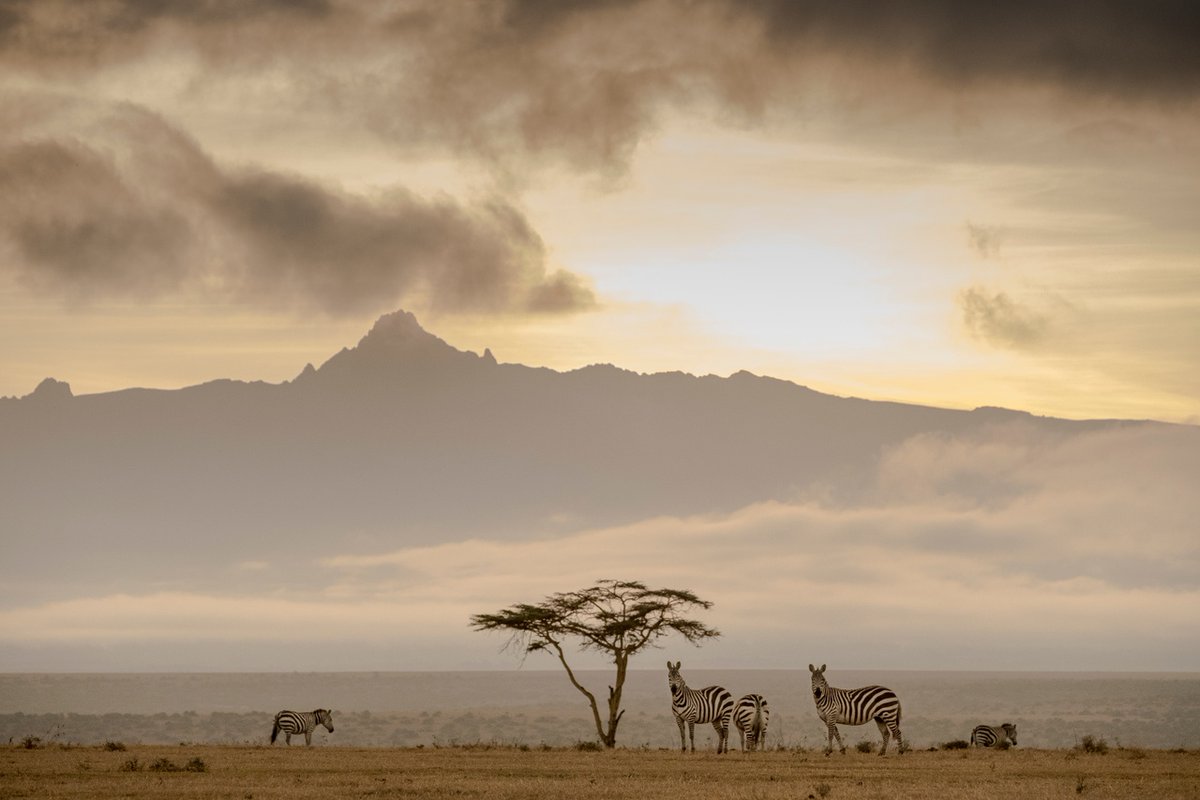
x=134 y=208
x=984 y=240
x=997 y=319
x=582 y=83
x=1071 y=543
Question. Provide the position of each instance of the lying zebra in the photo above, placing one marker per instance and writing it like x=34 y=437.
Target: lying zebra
x=289 y=722
x=987 y=736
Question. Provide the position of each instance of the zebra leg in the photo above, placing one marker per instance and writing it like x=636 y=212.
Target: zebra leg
x=742 y=738
x=834 y=734
x=722 y=736
x=883 y=729
x=308 y=738
x=288 y=738
x=682 y=735
x=692 y=734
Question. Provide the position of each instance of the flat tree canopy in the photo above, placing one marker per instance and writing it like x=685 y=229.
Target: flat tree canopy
x=620 y=618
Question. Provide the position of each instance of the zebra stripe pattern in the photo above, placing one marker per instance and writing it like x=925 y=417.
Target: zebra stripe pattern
x=750 y=717
x=988 y=736
x=710 y=704
x=289 y=722
x=856 y=707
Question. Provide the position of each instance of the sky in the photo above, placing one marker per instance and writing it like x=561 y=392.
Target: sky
x=926 y=201
x=920 y=202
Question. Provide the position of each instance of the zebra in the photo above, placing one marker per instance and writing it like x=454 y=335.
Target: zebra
x=988 y=736
x=750 y=717
x=290 y=722
x=856 y=707
x=710 y=704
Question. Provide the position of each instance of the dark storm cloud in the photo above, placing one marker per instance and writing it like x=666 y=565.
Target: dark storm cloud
x=582 y=82
x=140 y=210
x=1118 y=47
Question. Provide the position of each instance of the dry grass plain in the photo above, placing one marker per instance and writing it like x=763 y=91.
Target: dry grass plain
x=503 y=773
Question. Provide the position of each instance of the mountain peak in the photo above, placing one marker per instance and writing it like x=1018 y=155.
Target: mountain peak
x=51 y=390
x=395 y=345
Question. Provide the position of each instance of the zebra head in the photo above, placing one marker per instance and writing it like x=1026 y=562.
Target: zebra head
x=1010 y=731
x=820 y=686
x=323 y=716
x=674 y=679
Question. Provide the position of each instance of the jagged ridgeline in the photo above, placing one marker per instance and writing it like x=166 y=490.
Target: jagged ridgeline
x=404 y=439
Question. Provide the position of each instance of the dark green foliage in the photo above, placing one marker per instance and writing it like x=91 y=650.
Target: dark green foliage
x=31 y=742
x=957 y=744
x=112 y=746
x=1090 y=744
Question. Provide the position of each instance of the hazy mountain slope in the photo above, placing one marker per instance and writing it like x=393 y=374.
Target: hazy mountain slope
x=404 y=439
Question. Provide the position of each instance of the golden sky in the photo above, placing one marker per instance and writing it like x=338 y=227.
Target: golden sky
x=917 y=201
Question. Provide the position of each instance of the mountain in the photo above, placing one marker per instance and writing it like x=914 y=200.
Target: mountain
x=404 y=440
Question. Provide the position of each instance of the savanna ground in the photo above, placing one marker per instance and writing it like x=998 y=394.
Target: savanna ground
x=260 y=772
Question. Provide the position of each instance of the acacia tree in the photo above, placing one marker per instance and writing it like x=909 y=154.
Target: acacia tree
x=620 y=618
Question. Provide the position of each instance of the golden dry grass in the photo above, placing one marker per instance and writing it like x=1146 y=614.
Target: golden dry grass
x=262 y=773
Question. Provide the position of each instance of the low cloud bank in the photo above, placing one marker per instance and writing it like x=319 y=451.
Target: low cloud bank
x=1005 y=551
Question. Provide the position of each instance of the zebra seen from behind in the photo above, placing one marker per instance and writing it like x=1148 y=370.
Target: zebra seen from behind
x=289 y=722
x=710 y=704
x=988 y=736
x=856 y=707
x=750 y=717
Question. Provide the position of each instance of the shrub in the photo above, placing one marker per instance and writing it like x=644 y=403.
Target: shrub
x=589 y=746
x=957 y=744
x=31 y=742
x=196 y=765
x=164 y=765
x=823 y=789
x=112 y=747
x=1090 y=744
x=132 y=765
x=865 y=747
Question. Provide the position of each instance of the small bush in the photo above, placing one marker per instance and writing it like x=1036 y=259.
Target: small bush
x=822 y=789
x=31 y=742
x=195 y=765
x=957 y=744
x=114 y=747
x=164 y=765
x=132 y=765
x=589 y=746
x=1090 y=744
x=865 y=747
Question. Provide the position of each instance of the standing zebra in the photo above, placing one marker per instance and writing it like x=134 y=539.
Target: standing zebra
x=750 y=716
x=290 y=722
x=855 y=707
x=710 y=704
x=987 y=736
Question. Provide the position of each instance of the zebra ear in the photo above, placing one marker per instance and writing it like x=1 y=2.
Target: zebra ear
x=822 y=668
x=811 y=668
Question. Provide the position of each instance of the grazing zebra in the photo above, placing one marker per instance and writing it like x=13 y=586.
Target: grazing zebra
x=987 y=736
x=750 y=716
x=710 y=704
x=290 y=722
x=855 y=707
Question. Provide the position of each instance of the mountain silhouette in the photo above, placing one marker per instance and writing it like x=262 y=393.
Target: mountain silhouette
x=402 y=440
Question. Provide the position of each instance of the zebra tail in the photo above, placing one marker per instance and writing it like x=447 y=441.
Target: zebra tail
x=274 y=731
x=758 y=720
